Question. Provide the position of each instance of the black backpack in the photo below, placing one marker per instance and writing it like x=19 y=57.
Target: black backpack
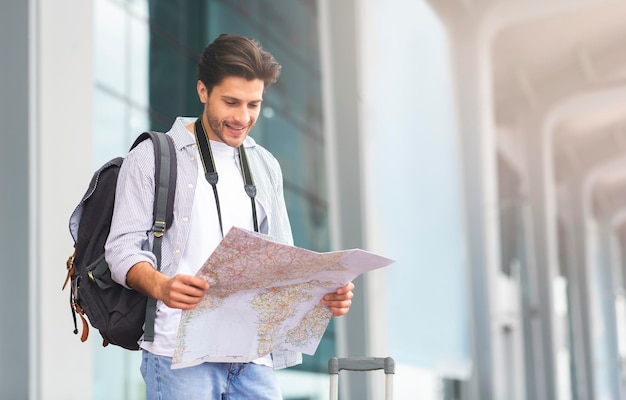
x=118 y=313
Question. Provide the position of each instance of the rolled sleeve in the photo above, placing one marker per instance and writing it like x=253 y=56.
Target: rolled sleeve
x=129 y=240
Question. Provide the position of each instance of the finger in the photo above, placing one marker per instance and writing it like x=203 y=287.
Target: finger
x=337 y=307
x=182 y=306
x=193 y=292
x=338 y=311
x=345 y=289
x=194 y=281
x=338 y=296
x=339 y=303
x=182 y=295
x=184 y=301
x=178 y=289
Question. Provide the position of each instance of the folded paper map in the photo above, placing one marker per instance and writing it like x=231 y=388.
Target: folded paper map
x=264 y=296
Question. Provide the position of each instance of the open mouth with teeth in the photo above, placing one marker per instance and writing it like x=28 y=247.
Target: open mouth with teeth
x=236 y=128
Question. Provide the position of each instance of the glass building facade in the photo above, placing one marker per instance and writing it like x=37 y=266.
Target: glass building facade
x=146 y=53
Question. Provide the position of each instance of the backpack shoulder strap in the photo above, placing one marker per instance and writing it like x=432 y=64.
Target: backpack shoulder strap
x=164 y=179
x=163 y=211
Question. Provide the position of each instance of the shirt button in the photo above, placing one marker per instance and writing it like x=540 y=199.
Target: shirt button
x=177 y=251
x=193 y=158
x=185 y=219
x=191 y=186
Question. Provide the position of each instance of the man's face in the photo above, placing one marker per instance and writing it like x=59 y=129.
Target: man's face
x=231 y=109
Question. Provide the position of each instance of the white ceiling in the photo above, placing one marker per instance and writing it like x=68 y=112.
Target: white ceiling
x=582 y=44
x=563 y=53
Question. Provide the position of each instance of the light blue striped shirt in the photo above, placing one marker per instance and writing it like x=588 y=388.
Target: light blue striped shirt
x=130 y=241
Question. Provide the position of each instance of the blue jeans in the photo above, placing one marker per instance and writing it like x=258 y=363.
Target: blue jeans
x=207 y=381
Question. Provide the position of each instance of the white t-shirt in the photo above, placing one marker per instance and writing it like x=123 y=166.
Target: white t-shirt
x=236 y=210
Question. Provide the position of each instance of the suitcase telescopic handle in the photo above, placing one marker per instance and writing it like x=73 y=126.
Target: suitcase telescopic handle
x=361 y=364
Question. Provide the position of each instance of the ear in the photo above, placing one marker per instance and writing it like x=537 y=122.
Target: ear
x=202 y=92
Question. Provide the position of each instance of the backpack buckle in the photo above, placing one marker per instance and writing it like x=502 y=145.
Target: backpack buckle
x=159 y=228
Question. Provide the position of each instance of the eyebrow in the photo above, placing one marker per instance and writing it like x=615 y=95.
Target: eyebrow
x=231 y=98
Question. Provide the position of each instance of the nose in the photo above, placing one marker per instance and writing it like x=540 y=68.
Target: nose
x=242 y=116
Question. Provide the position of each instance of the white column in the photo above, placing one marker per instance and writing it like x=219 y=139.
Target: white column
x=477 y=131
x=543 y=266
x=62 y=124
x=609 y=288
x=578 y=279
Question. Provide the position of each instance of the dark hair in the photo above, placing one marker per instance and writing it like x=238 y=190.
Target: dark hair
x=235 y=55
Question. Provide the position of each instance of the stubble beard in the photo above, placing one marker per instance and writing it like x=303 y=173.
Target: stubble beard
x=216 y=127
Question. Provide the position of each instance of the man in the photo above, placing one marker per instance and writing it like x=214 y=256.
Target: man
x=233 y=73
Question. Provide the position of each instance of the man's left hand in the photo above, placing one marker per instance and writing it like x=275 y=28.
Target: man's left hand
x=339 y=302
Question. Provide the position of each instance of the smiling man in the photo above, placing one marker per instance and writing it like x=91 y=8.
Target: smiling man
x=231 y=109
x=233 y=74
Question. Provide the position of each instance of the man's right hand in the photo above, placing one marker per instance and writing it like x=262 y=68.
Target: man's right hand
x=183 y=291
x=180 y=291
